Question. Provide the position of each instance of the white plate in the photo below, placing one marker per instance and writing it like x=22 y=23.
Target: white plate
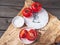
x=18 y=21
x=38 y=20
x=25 y=40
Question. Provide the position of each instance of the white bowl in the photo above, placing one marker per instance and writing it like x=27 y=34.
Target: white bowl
x=18 y=21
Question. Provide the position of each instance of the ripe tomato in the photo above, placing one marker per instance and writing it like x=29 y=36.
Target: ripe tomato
x=36 y=6
x=23 y=33
x=32 y=35
x=27 y=12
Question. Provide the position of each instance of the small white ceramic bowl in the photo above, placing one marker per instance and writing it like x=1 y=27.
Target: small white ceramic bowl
x=18 y=21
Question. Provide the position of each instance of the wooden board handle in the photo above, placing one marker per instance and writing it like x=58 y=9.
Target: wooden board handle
x=28 y=3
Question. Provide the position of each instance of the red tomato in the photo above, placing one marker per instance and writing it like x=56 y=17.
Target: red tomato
x=23 y=33
x=27 y=12
x=36 y=7
x=32 y=35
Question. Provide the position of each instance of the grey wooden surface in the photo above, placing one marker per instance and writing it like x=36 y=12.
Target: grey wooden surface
x=10 y=8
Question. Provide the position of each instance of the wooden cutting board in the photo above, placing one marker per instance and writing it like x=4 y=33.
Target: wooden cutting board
x=48 y=34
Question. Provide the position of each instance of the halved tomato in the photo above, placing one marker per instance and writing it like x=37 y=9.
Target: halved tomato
x=23 y=33
x=27 y=12
x=32 y=35
x=36 y=6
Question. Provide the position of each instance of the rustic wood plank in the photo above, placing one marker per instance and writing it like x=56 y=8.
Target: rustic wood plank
x=12 y=2
x=58 y=44
x=55 y=12
x=1 y=33
x=50 y=3
x=57 y=39
x=4 y=23
x=14 y=6
x=7 y=11
x=45 y=3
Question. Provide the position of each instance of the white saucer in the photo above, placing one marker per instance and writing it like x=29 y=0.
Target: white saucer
x=25 y=40
x=18 y=21
x=38 y=20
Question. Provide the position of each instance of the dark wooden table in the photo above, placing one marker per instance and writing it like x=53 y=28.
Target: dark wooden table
x=10 y=8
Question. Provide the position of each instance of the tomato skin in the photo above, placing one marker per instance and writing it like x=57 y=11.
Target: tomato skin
x=23 y=33
x=27 y=12
x=36 y=6
x=32 y=35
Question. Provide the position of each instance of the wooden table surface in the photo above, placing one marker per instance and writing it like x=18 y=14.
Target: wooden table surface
x=10 y=8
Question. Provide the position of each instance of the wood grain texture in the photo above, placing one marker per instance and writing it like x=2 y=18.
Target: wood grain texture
x=55 y=12
x=52 y=30
x=50 y=3
x=57 y=40
x=1 y=33
x=10 y=8
x=46 y=3
x=8 y=11
x=4 y=23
